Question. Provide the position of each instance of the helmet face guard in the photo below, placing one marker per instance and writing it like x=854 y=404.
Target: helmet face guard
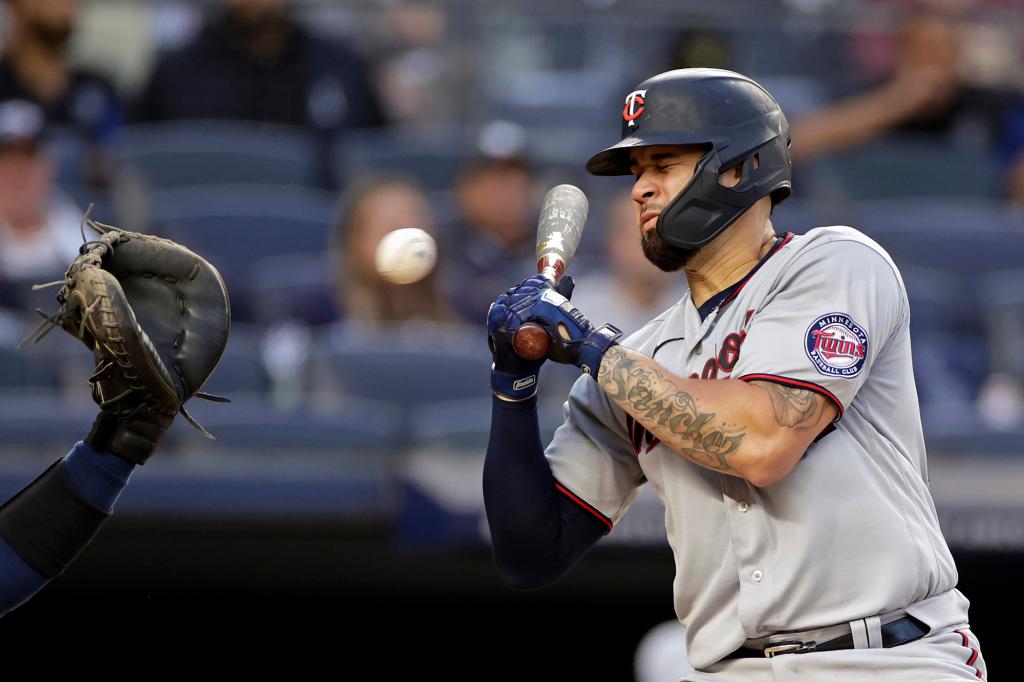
x=733 y=115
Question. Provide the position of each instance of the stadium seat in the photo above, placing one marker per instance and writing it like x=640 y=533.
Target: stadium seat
x=256 y=425
x=431 y=158
x=185 y=153
x=295 y=287
x=964 y=238
x=409 y=364
x=899 y=168
x=233 y=226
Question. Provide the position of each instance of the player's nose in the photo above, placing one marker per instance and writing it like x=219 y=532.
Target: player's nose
x=643 y=189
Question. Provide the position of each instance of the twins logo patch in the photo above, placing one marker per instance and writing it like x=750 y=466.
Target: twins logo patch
x=837 y=345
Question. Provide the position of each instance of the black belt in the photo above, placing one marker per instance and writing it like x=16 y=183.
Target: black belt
x=902 y=631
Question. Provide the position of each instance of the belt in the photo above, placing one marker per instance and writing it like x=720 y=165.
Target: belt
x=900 y=631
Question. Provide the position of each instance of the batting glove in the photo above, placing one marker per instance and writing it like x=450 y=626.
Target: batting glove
x=512 y=377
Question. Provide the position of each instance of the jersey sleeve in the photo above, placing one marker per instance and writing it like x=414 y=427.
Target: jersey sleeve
x=825 y=323
x=591 y=455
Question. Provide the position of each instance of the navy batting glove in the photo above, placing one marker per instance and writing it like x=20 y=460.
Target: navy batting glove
x=574 y=340
x=513 y=377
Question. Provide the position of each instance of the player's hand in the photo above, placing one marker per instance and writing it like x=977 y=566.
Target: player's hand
x=574 y=340
x=513 y=377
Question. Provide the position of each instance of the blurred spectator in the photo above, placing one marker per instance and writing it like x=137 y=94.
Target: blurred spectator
x=420 y=66
x=495 y=236
x=629 y=291
x=375 y=207
x=926 y=95
x=39 y=227
x=35 y=67
x=253 y=61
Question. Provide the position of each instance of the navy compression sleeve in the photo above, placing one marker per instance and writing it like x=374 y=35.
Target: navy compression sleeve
x=537 y=533
x=54 y=517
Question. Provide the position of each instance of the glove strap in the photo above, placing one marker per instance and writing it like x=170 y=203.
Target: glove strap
x=513 y=387
x=135 y=440
x=595 y=346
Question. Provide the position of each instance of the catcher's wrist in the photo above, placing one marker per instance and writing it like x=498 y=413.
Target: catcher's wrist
x=135 y=441
x=595 y=346
x=513 y=387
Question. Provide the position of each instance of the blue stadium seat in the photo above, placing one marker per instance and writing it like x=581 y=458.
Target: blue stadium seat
x=408 y=364
x=898 y=168
x=184 y=153
x=431 y=158
x=233 y=226
x=964 y=238
x=240 y=371
x=257 y=425
x=294 y=287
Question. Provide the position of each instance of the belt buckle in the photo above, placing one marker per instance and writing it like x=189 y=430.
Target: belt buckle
x=788 y=648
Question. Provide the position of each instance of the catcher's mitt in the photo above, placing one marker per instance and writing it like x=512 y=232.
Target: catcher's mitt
x=156 y=317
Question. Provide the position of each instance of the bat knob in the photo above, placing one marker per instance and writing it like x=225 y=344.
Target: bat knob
x=531 y=341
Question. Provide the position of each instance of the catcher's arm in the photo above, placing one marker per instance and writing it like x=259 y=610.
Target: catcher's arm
x=45 y=526
x=119 y=282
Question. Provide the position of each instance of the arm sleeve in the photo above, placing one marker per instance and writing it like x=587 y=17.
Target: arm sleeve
x=831 y=315
x=51 y=520
x=538 y=533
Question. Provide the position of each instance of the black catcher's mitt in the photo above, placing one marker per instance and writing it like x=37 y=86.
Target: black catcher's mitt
x=156 y=317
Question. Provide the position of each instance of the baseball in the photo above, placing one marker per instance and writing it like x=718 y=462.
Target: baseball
x=406 y=255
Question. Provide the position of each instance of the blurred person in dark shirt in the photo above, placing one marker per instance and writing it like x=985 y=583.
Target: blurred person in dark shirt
x=253 y=61
x=495 y=231
x=375 y=207
x=39 y=226
x=35 y=67
x=926 y=95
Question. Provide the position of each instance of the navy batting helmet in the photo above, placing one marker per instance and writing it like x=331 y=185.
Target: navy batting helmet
x=735 y=118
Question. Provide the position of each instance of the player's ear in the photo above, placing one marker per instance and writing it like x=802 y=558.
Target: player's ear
x=731 y=176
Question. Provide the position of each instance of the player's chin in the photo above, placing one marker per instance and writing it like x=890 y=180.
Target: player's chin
x=665 y=257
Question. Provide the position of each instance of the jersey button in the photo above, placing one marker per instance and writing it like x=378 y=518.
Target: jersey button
x=756 y=575
x=743 y=506
x=699 y=347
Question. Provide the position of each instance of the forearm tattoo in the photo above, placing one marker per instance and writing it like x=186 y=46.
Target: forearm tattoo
x=673 y=415
x=794 y=407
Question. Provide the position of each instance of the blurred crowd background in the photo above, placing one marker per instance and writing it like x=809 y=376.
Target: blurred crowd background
x=282 y=139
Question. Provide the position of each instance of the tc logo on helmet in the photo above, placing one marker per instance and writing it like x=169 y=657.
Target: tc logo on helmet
x=634 y=107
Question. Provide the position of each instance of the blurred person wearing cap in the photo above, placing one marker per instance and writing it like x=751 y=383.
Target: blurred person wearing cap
x=252 y=61
x=495 y=230
x=35 y=67
x=39 y=225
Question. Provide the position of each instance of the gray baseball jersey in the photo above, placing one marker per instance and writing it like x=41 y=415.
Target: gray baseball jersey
x=851 y=532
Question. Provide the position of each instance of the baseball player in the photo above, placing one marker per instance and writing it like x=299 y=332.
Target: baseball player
x=156 y=317
x=796 y=496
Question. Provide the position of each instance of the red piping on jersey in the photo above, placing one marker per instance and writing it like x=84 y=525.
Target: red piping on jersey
x=568 y=493
x=775 y=250
x=786 y=381
x=974 y=652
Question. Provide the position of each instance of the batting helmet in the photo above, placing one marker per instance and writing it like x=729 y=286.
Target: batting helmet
x=735 y=118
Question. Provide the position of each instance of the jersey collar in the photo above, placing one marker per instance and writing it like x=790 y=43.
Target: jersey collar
x=730 y=292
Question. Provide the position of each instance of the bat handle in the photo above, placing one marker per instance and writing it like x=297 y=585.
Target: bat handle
x=531 y=340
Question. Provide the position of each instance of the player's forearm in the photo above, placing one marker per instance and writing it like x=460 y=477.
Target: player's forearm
x=536 y=534
x=46 y=525
x=726 y=426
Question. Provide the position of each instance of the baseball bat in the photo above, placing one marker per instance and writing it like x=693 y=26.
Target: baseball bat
x=562 y=216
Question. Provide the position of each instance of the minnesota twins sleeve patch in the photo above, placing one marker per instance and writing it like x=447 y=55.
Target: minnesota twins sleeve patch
x=837 y=345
